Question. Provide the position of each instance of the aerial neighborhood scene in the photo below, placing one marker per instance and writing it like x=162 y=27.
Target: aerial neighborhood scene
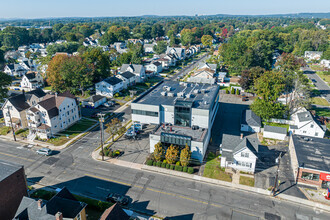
x=146 y=110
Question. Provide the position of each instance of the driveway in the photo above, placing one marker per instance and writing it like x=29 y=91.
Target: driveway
x=135 y=151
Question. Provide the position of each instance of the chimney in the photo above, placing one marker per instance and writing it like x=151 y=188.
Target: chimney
x=241 y=136
x=59 y=216
x=39 y=203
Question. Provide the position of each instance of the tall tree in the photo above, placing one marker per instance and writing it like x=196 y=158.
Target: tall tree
x=207 y=40
x=172 y=154
x=185 y=156
x=160 y=47
x=159 y=151
x=5 y=81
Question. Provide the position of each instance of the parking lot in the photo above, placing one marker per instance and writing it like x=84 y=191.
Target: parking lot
x=135 y=150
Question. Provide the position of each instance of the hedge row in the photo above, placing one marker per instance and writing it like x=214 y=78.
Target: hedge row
x=189 y=170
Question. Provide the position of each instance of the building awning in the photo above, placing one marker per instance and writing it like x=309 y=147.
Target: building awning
x=325 y=176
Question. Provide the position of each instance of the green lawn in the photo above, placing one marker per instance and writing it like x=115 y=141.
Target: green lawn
x=4 y=130
x=71 y=132
x=47 y=88
x=24 y=132
x=320 y=101
x=277 y=125
x=325 y=76
x=248 y=181
x=213 y=170
x=322 y=112
x=316 y=67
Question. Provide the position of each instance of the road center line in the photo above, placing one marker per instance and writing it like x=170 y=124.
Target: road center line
x=10 y=155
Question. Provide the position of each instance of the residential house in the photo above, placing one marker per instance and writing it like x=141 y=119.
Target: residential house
x=128 y=79
x=211 y=66
x=14 y=107
x=135 y=41
x=115 y=212
x=313 y=55
x=136 y=69
x=12 y=54
x=178 y=52
x=149 y=48
x=222 y=77
x=204 y=75
x=310 y=160
x=52 y=115
x=274 y=132
x=121 y=47
x=325 y=63
x=94 y=101
x=307 y=125
x=32 y=80
x=250 y=122
x=14 y=70
x=109 y=86
x=155 y=67
x=13 y=188
x=62 y=206
x=240 y=153
x=167 y=60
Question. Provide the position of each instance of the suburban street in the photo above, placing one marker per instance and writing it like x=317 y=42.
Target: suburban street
x=150 y=193
x=319 y=83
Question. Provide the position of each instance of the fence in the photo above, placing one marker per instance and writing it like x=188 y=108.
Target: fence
x=281 y=121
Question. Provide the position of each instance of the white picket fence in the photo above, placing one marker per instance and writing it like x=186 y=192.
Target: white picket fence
x=281 y=121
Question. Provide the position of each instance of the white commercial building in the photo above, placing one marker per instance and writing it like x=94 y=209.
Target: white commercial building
x=185 y=113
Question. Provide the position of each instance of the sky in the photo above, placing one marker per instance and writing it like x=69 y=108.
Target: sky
x=114 y=8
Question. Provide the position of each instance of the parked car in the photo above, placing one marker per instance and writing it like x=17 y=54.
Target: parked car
x=115 y=197
x=314 y=81
x=44 y=151
x=245 y=98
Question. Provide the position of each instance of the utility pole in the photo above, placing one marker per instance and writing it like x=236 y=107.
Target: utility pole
x=11 y=122
x=101 y=119
x=277 y=172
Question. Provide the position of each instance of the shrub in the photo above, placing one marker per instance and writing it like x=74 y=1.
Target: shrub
x=237 y=92
x=172 y=167
x=154 y=163
x=168 y=166
x=185 y=169
x=114 y=154
x=178 y=168
x=178 y=163
x=232 y=91
x=149 y=162
x=227 y=91
x=190 y=170
x=164 y=161
x=158 y=164
x=163 y=165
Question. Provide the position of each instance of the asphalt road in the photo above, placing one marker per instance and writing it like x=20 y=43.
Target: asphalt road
x=320 y=84
x=149 y=192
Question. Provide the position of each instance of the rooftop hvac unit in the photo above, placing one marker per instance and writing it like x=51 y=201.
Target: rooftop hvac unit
x=170 y=94
x=196 y=91
x=163 y=93
x=181 y=94
x=190 y=96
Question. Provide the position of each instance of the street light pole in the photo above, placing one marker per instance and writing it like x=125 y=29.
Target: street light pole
x=277 y=172
x=11 y=122
x=101 y=119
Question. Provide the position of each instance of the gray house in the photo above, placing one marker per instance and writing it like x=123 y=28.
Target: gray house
x=250 y=122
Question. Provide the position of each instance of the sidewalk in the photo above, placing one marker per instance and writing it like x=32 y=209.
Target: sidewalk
x=96 y=156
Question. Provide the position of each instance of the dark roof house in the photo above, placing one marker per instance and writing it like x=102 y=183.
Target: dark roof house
x=127 y=75
x=113 y=80
x=250 y=118
x=114 y=212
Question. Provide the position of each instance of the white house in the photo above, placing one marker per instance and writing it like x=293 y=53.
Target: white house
x=128 y=79
x=32 y=80
x=149 y=48
x=239 y=153
x=250 y=122
x=313 y=55
x=14 y=70
x=325 y=63
x=136 y=69
x=211 y=66
x=94 y=101
x=204 y=75
x=109 y=86
x=273 y=132
x=155 y=67
x=178 y=52
x=52 y=115
x=306 y=125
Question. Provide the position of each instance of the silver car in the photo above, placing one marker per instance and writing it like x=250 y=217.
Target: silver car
x=44 y=151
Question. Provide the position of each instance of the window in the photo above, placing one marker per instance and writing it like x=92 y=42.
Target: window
x=304 y=132
x=182 y=116
x=243 y=164
x=243 y=154
x=316 y=134
x=310 y=176
x=141 y=112
x=312 y=126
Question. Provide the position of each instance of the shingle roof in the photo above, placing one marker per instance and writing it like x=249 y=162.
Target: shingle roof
x=251 y=143
x=157 y=63
x=250 y=118
x=94 y=98
x=30 y=75
x=7 y=169
x=50 y=106
x=275 y=129
x=19 y=102
x=127 y=75
x=312 y=153
x=136 y=67
x=113 y=213
x=113 y=80
x=304 y=116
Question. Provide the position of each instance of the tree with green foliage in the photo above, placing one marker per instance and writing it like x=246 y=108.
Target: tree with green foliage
x=187 y=37
x=172 y=154
x=248 y=77
x=112 y=127
x=159 y=152
x=160 y=47
x=185 y=156
x=207 y=40
x=5 y=81
x=157 y=30
x=232 y=91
